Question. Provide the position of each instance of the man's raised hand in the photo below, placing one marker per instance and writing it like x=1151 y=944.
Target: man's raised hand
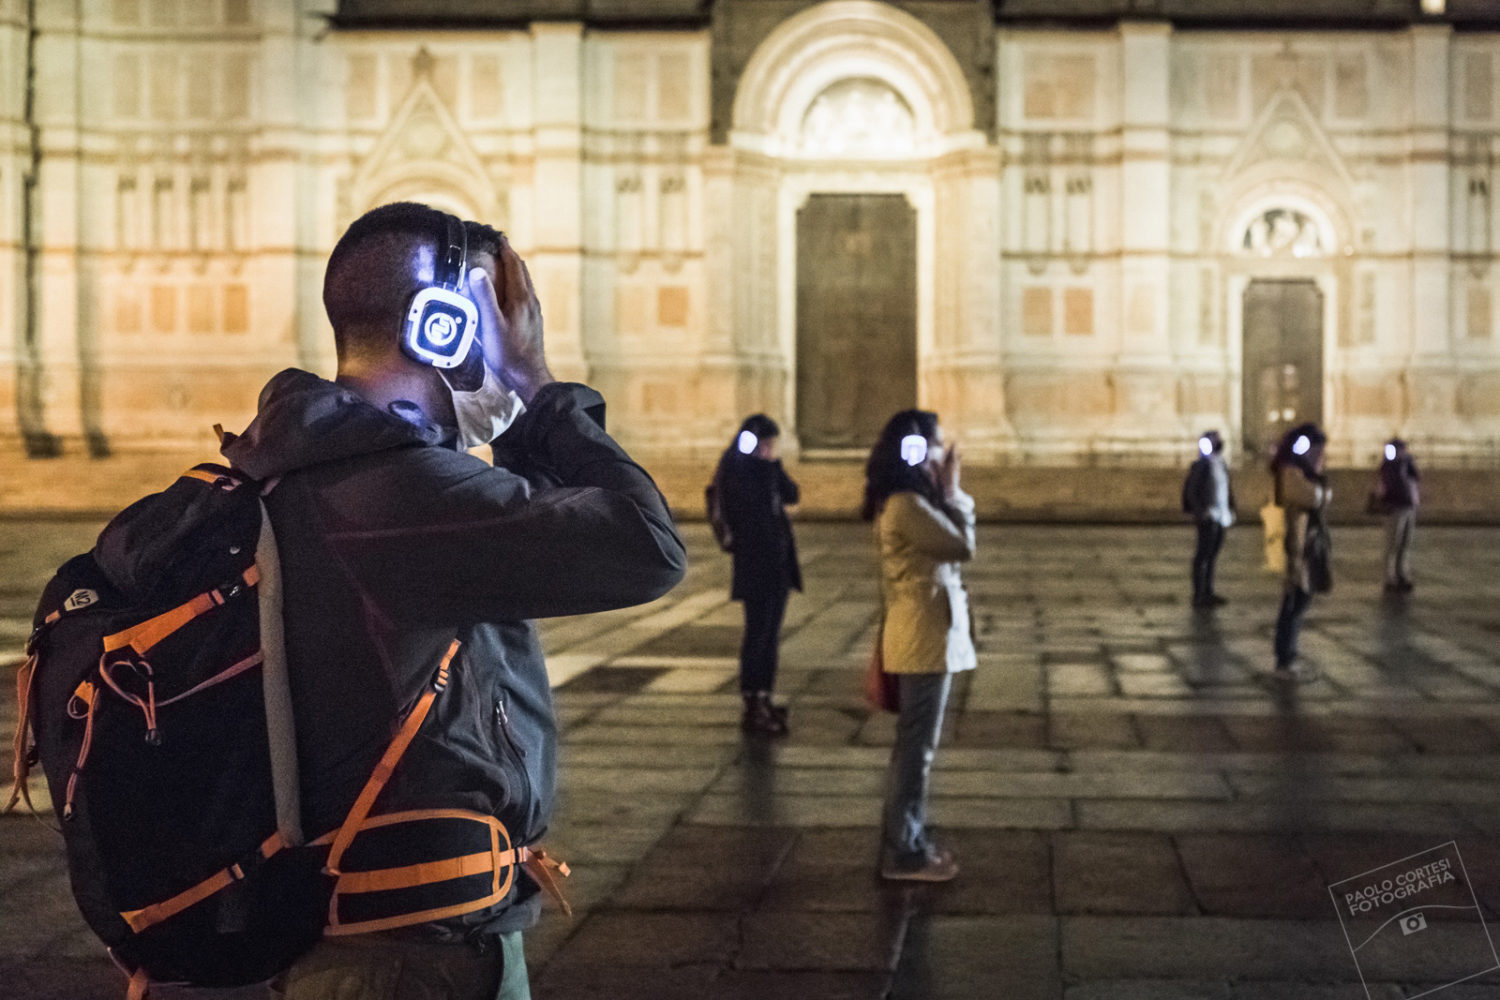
x=510 y=324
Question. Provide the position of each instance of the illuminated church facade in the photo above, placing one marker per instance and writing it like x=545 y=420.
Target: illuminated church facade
x=1080 y=231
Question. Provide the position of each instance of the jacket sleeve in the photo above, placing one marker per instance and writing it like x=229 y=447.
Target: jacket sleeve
x=929 y=530
x=454 y=541
x=790 y=494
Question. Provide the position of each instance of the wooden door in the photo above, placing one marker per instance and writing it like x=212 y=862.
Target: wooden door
x=856 y=317
x=1283 y=360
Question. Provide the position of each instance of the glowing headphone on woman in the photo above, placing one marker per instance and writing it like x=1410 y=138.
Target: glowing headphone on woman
x=442 y=325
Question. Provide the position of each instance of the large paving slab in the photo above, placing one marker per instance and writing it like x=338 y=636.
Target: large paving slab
x=1140 y=812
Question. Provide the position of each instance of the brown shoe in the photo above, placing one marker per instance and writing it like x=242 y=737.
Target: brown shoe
x=940 y=866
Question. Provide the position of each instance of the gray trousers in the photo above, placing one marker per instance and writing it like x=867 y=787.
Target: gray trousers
x=923 y=700
x=1400 y=526
x=400 y=966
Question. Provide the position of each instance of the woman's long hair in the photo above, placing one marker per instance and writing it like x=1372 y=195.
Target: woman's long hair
x=886 y=472
x=1284 y=454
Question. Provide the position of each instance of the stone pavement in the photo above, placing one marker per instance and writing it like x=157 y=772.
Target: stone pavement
x=1140 y=814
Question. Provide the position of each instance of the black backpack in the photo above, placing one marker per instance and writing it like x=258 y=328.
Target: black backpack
x=156 y=692
x=158 y=702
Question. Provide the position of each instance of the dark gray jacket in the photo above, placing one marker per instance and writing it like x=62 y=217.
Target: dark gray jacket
x=393 y=544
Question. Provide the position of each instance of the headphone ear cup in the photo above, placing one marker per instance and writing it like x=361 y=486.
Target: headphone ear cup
x=468 y=376
x=441 y=328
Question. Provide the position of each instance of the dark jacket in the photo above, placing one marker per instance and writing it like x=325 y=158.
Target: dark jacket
x=393 y=544
x=754 y=493
x=1398 y=479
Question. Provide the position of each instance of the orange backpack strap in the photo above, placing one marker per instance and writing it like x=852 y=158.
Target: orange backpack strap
x=383 y=770
x=490 y=850
x=153 y=630
x=21 y=766
x=141 y=919
x=540 y=866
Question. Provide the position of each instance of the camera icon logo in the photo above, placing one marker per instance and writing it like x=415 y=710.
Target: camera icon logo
x=1412 y=923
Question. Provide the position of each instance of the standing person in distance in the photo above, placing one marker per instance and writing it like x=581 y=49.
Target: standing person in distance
x=754 y=492
x=1208 y=498
x=924 y=528
x=1302 y=492
x=1398 y=494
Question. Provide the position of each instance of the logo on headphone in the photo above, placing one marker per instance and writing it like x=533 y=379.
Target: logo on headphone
x=440 y=329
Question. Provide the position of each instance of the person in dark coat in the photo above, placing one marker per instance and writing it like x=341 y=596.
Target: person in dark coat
x=1398 y=495
x=1302 y=491
x=755 y=491
x=1209 y=500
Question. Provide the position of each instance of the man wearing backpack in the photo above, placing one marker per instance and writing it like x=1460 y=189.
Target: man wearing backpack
x=397 y=545
x=1208 y=499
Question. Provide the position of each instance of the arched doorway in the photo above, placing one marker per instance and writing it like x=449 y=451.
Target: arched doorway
x=1284 y=283
x=839 y=119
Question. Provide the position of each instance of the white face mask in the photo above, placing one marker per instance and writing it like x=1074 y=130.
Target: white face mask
x=484 y=414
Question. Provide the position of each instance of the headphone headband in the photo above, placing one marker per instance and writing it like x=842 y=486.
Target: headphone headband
x=442 y=324
x=453 y=253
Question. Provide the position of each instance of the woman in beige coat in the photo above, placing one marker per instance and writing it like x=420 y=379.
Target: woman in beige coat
x=924 y=527
x=1301 y=491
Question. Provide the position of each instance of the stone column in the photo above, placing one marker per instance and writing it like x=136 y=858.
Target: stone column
x=15 y=165
x=556 y=258
x=49 y=374
x=299 y=90
x=963 y=375
x=717 y=360
x=1431 y=383
x=763 y=362
x=1145 y=418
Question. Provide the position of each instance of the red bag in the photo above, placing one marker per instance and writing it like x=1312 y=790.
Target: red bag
x=882 y=690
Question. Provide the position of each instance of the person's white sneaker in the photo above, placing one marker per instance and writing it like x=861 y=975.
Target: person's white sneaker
x=1295 y=672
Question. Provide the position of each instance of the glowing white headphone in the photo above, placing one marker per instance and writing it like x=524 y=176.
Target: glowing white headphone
x=747 y=442
x=441 y=323
x=914 y=449
x=1301 y=445
x=1390 y=452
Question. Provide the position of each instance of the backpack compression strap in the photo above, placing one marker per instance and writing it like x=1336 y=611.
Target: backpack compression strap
x=383 y=770
x=148 y=916
x=498 y=856
x=153 y=630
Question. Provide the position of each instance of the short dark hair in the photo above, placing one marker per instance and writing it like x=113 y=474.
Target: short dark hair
x=762 y=426
x=370 y=279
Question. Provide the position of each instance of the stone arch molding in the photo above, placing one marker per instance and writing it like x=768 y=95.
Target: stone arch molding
x=1268 y=188
x=843 y=40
